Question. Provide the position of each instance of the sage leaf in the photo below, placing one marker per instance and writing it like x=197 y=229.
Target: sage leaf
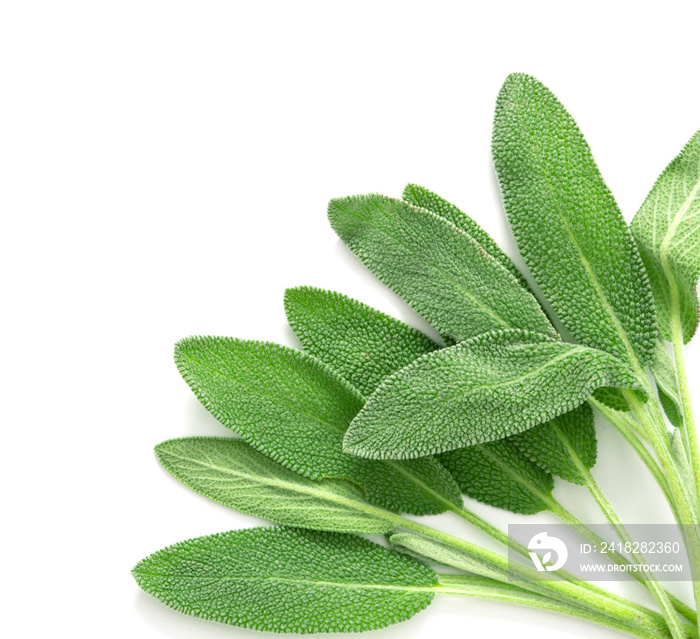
x=363 y=345
x=568 y=226
x=667 y=231
x=483 y=389
x=426 y=199
x=294 y=409
x=563 y=445
x=288 y=580
x=232 y=473
x=499 y=474
x=664 y=371
x=438 y=268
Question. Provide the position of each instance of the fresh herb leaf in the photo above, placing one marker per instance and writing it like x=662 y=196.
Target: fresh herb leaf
x=484 y=389
x=664 y=372
x=288 y=580
x=562 y=445
x=363 y=345
x=295 y=409
x=568 y=227
x=439 y=269
x=232 y=473
x=500 y=475
x=667 y=231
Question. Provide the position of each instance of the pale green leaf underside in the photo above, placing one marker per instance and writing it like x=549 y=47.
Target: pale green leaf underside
x=442 y=272
x=294 y=409
x=499 y=474
x=567 y=224
x=232 y=473
x=288 y=580
x=426 y=199
x=484 y=389
x=363 y=345
x=561 y=444
x=664 y=371
x=667 y=231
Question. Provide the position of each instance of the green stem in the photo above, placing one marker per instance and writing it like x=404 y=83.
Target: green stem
x=651 y=582
x=481 y=588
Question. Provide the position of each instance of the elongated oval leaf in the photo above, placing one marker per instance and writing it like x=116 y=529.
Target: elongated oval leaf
x=288 y=580
x=563 y=445
x=442 y=272
x=295 y=409
x=232 y=473
x=667 y=231
x=664 y=371
x=568 y=227
x=498 y=474
x=363 y=345
x=426 y=199
x=484 y=389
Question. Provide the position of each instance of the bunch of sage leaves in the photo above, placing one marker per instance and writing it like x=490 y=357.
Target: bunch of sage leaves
x=374 y=420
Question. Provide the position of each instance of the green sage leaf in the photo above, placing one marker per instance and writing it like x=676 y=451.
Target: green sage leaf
x=563 y=445
x=667 y=231
x=294 y=409
x=288 y=580
x=232 y=473
x=499 y=474
x=484 y=389
x=439 y=269
x=664 y=371
x=363 y=345
x=568 y=227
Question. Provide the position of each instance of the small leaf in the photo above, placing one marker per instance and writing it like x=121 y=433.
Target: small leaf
x=232 y=473
x=667 y=231
x=664 y=372
x=567 y=224
x=500 y=475
x=363 y=345
x=439 y=269
x=288 y=580
x=484 y=389
x=562 y=444
x=426 y=199
x=295 y=409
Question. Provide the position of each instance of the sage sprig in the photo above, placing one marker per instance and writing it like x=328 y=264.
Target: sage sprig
x=374 y=419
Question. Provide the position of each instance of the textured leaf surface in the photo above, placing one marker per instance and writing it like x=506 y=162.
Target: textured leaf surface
x=568 y=227
x=426 y=199
x=232 y=473
x=481 y=390
x=667 y=230
x=357 y=341
x=561 y=444
x=295 y=409
x=664 y=371
x=500 y=475
x=288 y=580
x=442 y=272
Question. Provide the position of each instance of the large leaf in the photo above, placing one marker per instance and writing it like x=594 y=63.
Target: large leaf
x=360 y=343
x=664 y=371
x=439 y=269
x=484 y=389
x=426 y=199
x=288 y=580
x=295 y=409
x=568 y=227
x=232 y=473
x=500 y=475
x=667 y=230
x=564 y=445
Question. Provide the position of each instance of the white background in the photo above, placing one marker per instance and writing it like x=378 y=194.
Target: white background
x=164 y=171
